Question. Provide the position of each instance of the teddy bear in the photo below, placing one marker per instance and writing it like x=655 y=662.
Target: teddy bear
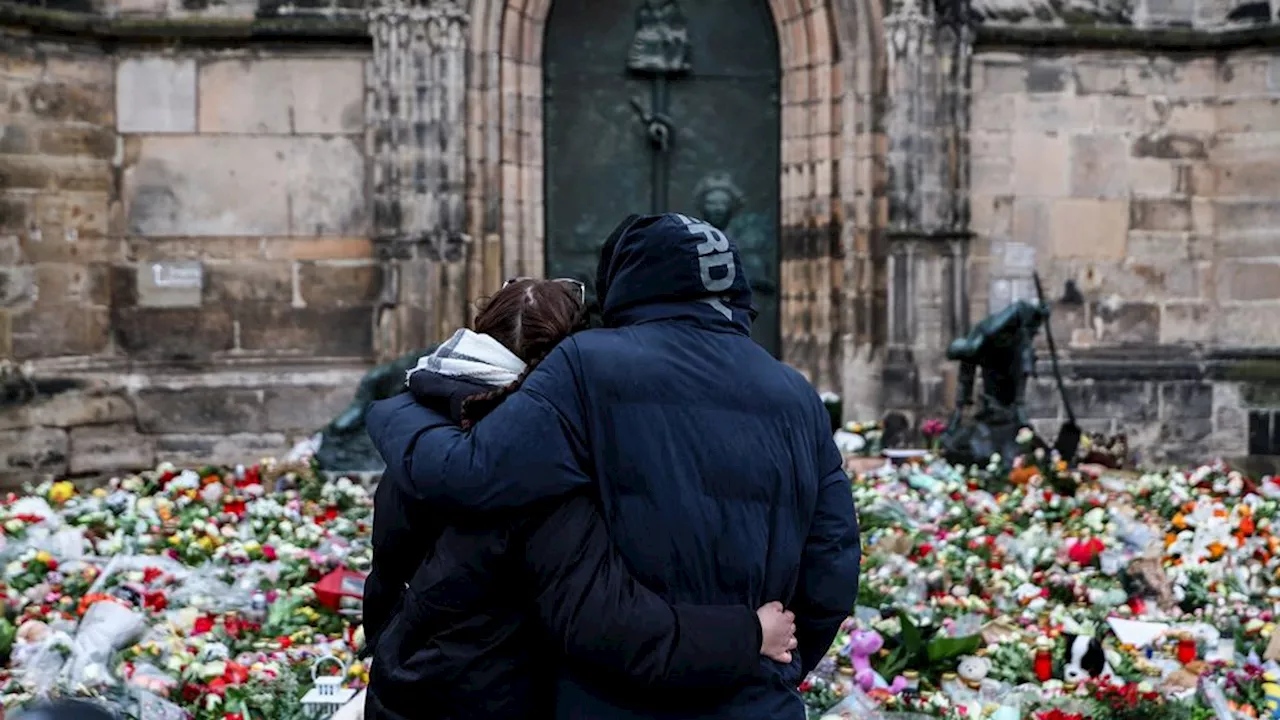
x=863 y=644
x=973 y=670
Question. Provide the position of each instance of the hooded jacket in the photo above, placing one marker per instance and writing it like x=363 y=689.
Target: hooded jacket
x=464 y=611
x=717 y=472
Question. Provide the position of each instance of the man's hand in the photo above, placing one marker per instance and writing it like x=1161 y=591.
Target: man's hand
x=778 y=626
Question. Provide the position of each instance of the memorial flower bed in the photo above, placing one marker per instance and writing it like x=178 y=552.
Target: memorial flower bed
x=982 y=589
x=180 y=593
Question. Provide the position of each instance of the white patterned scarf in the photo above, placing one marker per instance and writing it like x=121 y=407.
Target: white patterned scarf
x=472 y=356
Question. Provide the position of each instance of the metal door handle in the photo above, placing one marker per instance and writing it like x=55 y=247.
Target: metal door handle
x=657 y=125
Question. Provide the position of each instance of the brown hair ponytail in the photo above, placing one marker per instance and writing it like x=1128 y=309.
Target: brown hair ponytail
x=529 y=317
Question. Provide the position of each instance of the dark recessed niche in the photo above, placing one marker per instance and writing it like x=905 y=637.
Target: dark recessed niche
x=1264 y=433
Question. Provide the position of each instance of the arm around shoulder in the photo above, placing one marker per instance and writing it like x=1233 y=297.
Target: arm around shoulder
x=528 y=449
x=608 y=621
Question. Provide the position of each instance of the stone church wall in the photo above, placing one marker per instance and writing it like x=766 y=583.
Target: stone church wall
x=188 y=265
x=185 y=261
x=1151 y=182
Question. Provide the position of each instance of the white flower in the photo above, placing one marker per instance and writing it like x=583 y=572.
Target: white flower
x=187 y=480
x=212 y=493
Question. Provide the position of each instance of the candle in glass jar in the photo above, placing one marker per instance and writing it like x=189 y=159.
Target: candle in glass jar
x=1186 y=651
x=912 y=688
x=1044 y=665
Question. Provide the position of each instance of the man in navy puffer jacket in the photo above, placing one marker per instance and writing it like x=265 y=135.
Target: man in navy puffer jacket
x=717 y=473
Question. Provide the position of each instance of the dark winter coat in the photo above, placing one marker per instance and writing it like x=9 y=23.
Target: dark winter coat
x=718 y=475
x=467 y=615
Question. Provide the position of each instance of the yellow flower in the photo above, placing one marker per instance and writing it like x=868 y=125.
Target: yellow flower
x=61 y=491
x=205 y=543
x=44 y=557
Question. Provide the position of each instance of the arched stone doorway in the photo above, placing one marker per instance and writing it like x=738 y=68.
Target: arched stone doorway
x=827 y=172
x=664 y=106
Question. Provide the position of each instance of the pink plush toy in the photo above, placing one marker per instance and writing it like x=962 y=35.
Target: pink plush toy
x=862 y=645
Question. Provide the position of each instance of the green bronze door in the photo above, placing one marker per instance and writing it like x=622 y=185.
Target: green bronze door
x=663 y=105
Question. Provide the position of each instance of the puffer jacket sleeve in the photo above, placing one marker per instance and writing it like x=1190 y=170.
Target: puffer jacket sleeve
x=827 y=589
x=383 y=586
x=607 y=621
x=532 y=447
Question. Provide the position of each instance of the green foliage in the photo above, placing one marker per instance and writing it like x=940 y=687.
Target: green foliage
x=926 y=656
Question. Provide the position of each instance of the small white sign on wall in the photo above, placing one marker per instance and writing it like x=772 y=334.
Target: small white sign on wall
x=188 y=275
x=173 y=284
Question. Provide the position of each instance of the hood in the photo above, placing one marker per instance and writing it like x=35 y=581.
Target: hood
x=467 y=364
x=471 y=356
x=666 y=266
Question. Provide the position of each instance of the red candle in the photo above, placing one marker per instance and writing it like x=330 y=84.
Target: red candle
x=1186 y=651
x=1044 y=665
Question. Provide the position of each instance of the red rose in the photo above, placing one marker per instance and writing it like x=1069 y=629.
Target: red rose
x=806 y=686
x=151 y=574
x=285 y=641
x=269 y=552
x=234 y=507
x=1084 y=552
x=156 y=601
x=203 y=625
x=236 y=673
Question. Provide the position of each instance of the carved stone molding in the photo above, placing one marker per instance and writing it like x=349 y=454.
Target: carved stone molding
x=928 y=48
x=417 y=108
x=416 y=138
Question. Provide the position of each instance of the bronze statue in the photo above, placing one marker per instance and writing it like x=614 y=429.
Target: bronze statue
x=345 y=446
x=1003 y=345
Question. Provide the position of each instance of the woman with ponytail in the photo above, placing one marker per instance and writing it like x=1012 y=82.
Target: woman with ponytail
x=470 y=617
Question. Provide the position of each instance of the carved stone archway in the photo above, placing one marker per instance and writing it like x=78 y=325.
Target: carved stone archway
x=827 y=165
x=456 y=143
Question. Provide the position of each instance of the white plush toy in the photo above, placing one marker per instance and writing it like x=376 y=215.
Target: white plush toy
x=1085 y=660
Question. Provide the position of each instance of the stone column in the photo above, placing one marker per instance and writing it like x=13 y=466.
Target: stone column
x=417 y=146
x=927 y=233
